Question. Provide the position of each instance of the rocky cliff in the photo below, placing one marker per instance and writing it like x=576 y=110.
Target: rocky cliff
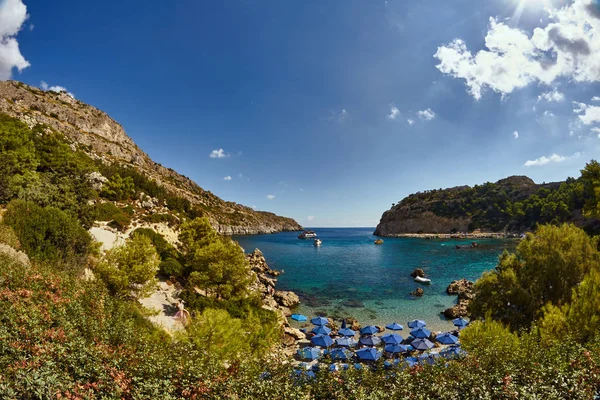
x=103 y=138
x=514 y=204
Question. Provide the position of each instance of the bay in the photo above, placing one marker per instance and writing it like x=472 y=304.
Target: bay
x=350 y=276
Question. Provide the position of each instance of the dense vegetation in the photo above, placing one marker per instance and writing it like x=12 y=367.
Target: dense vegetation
x=515 y=204
x=64 y=334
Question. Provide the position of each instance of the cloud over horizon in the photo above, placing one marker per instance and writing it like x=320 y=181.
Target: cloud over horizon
x=58 y=89
x=13 y=14
x=271 y=196
x=567 y=47
x=554 y=158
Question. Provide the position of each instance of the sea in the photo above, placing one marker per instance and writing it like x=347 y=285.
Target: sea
x=350 y=276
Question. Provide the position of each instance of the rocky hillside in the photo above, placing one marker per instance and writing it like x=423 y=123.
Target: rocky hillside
x=102 y=138
x=514 y=204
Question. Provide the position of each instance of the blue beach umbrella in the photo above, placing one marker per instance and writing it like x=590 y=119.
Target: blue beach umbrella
x=453 y=352
x=321 y=330
x=420 y=333
x=394 y=326
x=320 y=321
x=416 y=323
x=339 y=354
x=298 y=317
x=368 y=354
x=460 y=322
x=411 y=361
x=422 y=344
x=426 y=359
x=369 y=330
x=447 y=338
x=370 y=340
x=309 y=353
x=392 y=339
x=322 y=340
x=396 y=348
x=346 y=342
x=346 y=332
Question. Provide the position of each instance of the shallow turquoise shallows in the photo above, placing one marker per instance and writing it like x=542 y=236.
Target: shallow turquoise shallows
x=350 y=276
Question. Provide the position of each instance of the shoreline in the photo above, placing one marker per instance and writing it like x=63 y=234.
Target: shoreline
x=472 y=235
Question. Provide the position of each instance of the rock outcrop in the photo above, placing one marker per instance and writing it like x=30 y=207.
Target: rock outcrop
x=458 y=209
x=418 y=292
x=102 y=138
x=418 y=272
x=265 y=279
x=464 y=289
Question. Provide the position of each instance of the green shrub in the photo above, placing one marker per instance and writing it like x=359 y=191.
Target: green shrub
x=9 y=237
x=171 y=267
x=120 y=222
x=159 y=218
x=130 y=268
x=49 y=234
x=106 y=211
x=165 y=249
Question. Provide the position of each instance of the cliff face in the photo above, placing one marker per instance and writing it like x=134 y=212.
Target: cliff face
x=103 y=138
x=491 y=207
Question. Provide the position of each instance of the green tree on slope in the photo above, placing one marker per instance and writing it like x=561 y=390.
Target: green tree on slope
x=214 y=263
x=544 y=270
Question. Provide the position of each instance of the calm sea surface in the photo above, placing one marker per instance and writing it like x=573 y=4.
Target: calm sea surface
x=349 y=276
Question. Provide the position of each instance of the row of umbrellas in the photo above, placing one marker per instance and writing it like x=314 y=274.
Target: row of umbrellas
x=372 y=354
x=419 y=343
x=369 y=330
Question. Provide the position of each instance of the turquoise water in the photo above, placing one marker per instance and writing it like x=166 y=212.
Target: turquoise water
x=349 y=276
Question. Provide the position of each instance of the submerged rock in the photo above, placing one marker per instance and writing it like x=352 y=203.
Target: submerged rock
x=418 y=292
x=418 y=272
x=353 y=304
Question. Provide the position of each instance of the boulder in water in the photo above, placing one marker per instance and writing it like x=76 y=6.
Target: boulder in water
x=418 y=272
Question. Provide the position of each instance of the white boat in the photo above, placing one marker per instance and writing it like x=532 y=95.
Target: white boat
x=307 y=234
x=317 y=242
x=425 y=281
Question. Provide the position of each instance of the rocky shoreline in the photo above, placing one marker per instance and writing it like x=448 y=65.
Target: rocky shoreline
x=471 y=235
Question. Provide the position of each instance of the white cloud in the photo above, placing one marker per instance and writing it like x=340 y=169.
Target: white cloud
x=254 y=207
x=410 y=121
x=310 y=217
x=58 y=89
x=242 y=176
x=426 y=115
x=393 y=112
x=596 y=98
x=554 y=158
x=548 y=114
x=227 y=178
x=587 y=114
x=13 y=14
x=343 y=115
x=271 y=196
x=567 y=47
x=220 y=153
x=596 y=130
x=516 y=134
x=553 y=96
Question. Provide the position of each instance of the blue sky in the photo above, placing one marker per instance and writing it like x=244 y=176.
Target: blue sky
x=337 y=108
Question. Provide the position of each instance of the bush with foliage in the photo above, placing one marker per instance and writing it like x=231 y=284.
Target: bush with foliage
x=545 y=269
x=214 y=263
x=118 y=188
x=130 y=269
x=49 y=234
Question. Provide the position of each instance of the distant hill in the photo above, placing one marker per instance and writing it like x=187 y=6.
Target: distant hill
x=103 y=139
x=514 y=204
